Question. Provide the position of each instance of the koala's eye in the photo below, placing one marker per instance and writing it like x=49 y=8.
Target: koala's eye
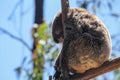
x=68 y=28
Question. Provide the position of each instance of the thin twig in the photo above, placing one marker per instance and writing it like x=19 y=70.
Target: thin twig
x=16 y=38
x=106 y=67
x=15 y=7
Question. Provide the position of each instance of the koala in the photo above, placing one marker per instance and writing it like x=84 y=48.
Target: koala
x=86 y=42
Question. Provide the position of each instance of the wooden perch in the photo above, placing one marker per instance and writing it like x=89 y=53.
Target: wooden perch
x=106 y=67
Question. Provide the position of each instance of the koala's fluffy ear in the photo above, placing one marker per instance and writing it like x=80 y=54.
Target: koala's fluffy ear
x=57 y=29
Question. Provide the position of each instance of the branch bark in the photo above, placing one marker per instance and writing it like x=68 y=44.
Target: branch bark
x=39 y=11
x=106 y=67
x=65 y=9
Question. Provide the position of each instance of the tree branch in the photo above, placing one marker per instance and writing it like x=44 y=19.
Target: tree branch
x=16 y=38
x=39 y=11
x=106 y=67
x=14 y=9
x=65 y=9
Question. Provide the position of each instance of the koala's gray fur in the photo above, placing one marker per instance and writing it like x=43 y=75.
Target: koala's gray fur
x=86 y=41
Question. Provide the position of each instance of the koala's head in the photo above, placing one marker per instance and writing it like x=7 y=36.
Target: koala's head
x=57 y=29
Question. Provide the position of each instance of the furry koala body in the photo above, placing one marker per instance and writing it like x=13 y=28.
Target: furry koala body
x=86 y=41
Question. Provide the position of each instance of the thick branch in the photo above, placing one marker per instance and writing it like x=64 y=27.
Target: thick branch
x=16 y=38
x=65 y=9
x=106 y=67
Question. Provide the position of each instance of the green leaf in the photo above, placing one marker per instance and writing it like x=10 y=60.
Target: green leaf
x=41 y=31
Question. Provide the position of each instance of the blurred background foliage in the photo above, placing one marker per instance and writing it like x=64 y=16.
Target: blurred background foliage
x=45 y=50
x=43 y=45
